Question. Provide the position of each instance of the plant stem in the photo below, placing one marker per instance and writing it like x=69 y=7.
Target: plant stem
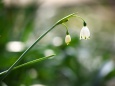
x=65 y=26
x=28 y=63
x=63 y=20
x=20 y=58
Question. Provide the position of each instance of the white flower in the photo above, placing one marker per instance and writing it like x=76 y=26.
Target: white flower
x=85 y=33
x=67 y=39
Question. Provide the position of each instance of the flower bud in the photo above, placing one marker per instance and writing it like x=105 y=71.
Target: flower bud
x=67 y=39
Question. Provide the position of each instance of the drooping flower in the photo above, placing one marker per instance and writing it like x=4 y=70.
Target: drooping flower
x=67 y=39
x=85 y=33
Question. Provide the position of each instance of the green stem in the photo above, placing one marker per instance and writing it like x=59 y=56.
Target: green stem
x=65 y=26
x=67 y=32
x=79 y=17
x=28 y=63
x=20 y=58
x=65 y=19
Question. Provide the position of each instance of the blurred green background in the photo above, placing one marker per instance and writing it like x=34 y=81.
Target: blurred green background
x=81 y=63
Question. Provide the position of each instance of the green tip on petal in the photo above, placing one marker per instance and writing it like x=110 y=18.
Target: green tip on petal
x=67 y=43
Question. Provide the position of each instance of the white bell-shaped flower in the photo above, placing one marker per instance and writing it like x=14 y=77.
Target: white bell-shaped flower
x=85 y=33
x=67 y=39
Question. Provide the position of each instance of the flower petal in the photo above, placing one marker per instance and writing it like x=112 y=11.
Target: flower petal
x=84 y=33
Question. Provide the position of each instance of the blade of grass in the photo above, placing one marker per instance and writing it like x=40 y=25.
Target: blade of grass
x=28 y=63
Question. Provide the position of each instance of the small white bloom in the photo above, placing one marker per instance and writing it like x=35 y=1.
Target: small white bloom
x=67 y=39
x=85 y=33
